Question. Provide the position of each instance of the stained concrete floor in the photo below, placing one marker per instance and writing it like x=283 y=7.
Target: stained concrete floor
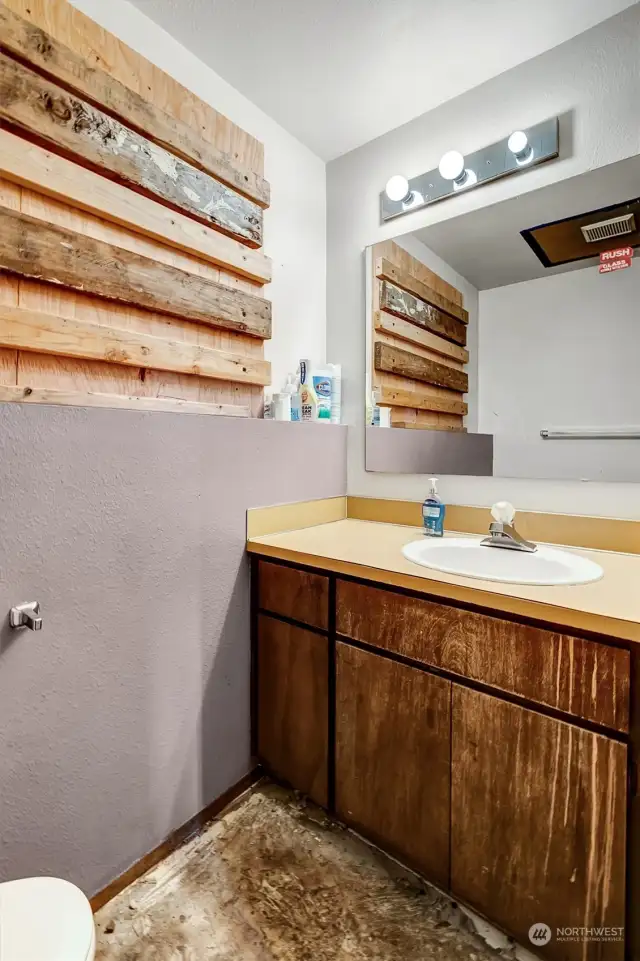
x=275 y=880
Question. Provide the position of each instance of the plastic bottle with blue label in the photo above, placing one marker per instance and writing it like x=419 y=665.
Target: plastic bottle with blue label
x=433 y=511
x=315 y=390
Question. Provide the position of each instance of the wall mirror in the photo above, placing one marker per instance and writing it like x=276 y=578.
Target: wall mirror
x=499 y=344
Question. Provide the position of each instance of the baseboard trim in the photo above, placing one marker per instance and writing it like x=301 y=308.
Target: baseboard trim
x=176 y=839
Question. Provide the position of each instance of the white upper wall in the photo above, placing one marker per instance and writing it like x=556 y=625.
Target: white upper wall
x=593 y=83
x=337 y=74
x=295 y=224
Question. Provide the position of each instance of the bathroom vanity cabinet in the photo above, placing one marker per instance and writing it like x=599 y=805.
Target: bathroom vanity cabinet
x=492 y=756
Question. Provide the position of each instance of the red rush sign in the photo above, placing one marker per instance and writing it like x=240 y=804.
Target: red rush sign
x=617 y=259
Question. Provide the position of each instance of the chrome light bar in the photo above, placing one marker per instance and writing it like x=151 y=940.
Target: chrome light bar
x=500 y=159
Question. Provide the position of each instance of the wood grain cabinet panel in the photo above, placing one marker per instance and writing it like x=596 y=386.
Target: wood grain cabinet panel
x=583 y=678
x=538 y=823
x=300 y=595
x=293 y=708
x=393 y=757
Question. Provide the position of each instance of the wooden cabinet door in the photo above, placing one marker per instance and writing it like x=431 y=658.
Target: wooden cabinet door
x=538 y=824
x=393 y=758
x=301 y=595
x=292 y=717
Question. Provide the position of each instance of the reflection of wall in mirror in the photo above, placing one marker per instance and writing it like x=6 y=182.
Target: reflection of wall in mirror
x=561 y=351
x=420 y=338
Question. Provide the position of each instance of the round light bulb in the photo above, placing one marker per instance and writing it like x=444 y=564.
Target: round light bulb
x=397 y=188
x=451 y=165
x=517 y=142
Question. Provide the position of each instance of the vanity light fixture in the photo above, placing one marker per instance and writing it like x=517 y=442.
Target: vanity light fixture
x=511 y=155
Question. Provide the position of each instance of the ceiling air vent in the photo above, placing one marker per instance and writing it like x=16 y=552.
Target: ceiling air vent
x=607 y=229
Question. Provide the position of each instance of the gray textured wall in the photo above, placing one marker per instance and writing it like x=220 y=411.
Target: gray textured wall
x=129 y=711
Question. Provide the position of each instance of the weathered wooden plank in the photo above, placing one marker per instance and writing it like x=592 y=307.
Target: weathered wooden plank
x=30 y=330
x=385 y=270
x=382 y=338
x=396 y=361
x=421 y=400
x=69 y=398
x=32 y=248
x=403 y=261
x=10 y=196
x=72 y=126
x=30 y=43
x=54 y=372
x=407 y=330
x=32 y=166
x=411 y=419
x=404 y=305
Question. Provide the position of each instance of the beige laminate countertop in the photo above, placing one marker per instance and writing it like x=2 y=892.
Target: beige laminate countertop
x=373 y=551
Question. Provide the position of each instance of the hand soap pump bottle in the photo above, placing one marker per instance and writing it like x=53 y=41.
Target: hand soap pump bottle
x=433 y=512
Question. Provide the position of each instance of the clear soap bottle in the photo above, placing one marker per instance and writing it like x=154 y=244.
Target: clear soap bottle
x=433 y=511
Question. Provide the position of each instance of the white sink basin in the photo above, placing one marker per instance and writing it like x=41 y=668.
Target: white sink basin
x=545 y=567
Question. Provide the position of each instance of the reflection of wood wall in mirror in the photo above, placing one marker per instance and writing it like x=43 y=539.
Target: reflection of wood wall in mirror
x=202 y=344
x=417 y=343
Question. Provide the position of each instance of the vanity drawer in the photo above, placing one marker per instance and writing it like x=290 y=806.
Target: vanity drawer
x=583 y=678
x=301 y=595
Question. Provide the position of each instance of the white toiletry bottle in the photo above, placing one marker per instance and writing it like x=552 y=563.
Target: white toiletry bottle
x=282 y=406
x=336 y=392
x=433 y=511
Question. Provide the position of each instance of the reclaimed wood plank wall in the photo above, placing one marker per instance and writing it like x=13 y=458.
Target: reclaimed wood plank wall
x=418 y=343
x=131 y=215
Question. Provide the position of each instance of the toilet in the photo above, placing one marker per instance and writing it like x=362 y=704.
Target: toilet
x=45 y=919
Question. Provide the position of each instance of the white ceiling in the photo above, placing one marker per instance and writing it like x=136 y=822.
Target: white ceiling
x=485 y=246
x=338 y=73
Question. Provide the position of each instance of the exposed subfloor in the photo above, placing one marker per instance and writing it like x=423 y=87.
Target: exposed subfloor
x=274 y=878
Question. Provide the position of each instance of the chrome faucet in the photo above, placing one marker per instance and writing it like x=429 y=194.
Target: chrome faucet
x=502 y=532
x=26 y=615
